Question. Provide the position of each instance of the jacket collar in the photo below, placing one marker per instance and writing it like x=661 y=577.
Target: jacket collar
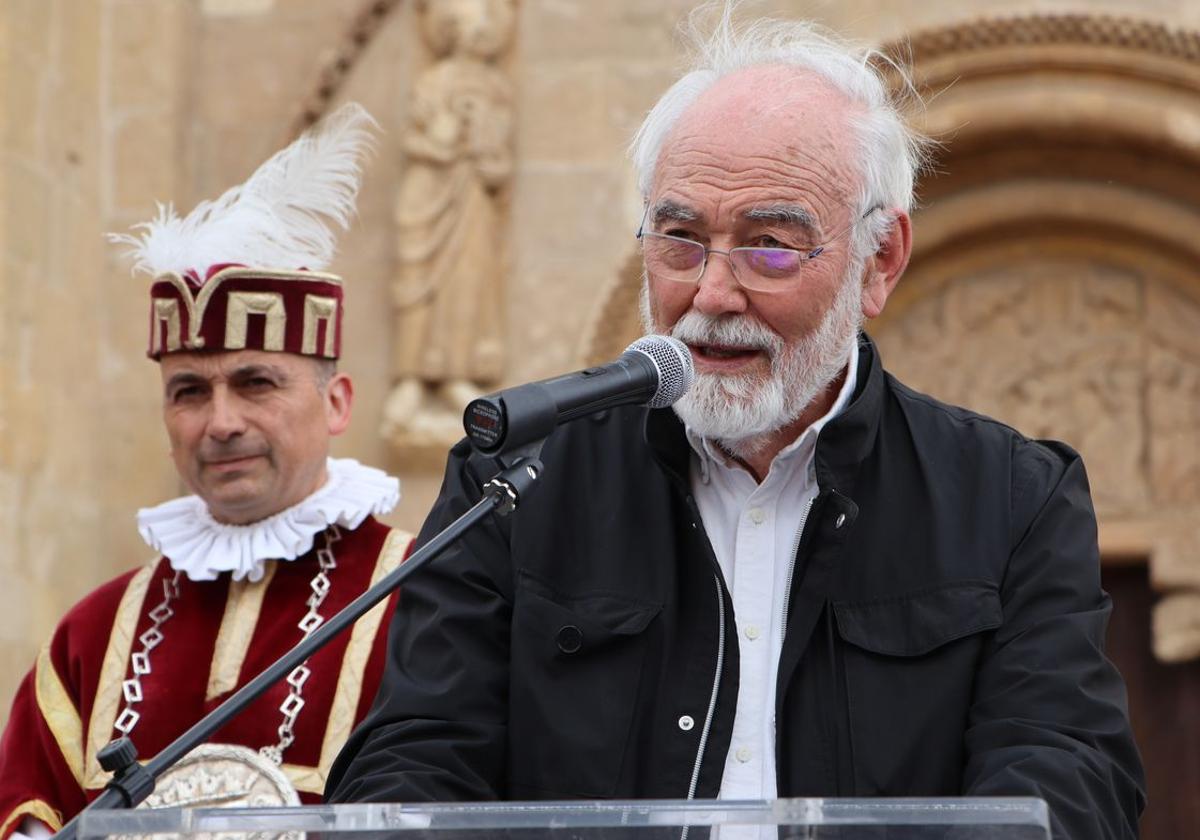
x=665 y=435
x=847 y=440
x=844 y=442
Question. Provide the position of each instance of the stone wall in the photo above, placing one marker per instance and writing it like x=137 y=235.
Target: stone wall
x=94 y=128
x=110 y=105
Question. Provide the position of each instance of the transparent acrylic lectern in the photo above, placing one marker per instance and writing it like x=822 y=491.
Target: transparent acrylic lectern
x=821 y=819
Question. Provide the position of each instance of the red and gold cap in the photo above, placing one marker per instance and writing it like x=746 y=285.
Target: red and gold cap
x=240 y=308
x=243 y=272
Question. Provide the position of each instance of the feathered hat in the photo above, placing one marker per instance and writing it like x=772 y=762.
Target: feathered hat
x=246 y=271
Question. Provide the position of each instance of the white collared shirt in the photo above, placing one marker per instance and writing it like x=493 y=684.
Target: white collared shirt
x=755 y=529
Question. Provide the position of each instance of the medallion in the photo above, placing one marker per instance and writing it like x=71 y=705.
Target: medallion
x=226 y=776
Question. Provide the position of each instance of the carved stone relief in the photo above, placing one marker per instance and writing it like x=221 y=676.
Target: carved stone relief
x=450 y=212
x=1073 y=342
x=1053 y=345
x=1053 y=283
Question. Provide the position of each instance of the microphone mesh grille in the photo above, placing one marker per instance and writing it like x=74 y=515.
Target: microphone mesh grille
x=674 y=363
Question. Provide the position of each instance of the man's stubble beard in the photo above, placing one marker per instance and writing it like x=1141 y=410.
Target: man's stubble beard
x=741 y=413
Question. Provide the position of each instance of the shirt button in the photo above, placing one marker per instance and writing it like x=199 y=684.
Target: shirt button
x=686 y=723
x=743 y=754
x=757 y=516
x=752 y=632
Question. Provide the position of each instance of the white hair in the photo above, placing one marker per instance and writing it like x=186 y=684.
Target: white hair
x=890 y=152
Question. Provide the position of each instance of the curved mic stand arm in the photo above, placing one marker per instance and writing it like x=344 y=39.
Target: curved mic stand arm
x=133 y=782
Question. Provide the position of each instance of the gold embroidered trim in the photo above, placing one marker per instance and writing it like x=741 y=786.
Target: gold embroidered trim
x=166 y=310
x=237 y=318
x=358 y=651
x=213 y=283
x=37 y=809
x=242 y=609
x=59 y=712
x=305 y=779
x=199 y=304
x=185 y=294
x=112 y=674
x=345 y=699
x=317 y=309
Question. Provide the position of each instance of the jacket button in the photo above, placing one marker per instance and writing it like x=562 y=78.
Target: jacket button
x=840 y=521
x=569 y=639
x=686 y=723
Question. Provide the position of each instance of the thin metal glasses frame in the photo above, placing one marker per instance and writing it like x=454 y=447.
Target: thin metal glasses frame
x=770 y=284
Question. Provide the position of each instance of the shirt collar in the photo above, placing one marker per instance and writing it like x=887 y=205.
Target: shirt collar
x=193 y=542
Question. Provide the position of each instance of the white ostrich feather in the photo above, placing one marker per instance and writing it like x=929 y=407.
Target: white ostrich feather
x=282 y=217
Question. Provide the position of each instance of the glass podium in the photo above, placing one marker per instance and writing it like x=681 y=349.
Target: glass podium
x=807 y=819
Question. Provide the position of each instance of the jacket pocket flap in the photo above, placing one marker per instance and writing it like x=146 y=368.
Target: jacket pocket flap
x=915 y=623
x=609 y=612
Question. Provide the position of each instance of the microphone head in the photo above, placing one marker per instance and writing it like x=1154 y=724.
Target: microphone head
x=673 y=361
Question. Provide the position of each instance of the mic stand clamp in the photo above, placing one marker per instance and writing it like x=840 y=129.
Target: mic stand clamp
x=512 y=482
x=130 y=778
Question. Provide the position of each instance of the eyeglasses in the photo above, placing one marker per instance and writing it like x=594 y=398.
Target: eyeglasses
x=757 y=269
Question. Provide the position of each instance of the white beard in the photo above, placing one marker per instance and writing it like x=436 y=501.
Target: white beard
x=741 y=412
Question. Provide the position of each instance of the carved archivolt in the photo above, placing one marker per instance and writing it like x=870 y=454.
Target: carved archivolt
x=1053 y=279
x=336 y=69
x=1142 y=36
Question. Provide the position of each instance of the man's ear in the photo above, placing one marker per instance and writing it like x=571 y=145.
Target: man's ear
x=885 y=266
x=339 y=397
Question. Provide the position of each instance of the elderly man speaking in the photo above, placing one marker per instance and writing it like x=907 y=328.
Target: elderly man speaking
x=277 y=538
x=805 y=579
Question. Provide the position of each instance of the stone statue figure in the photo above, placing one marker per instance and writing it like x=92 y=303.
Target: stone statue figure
x=448 y=287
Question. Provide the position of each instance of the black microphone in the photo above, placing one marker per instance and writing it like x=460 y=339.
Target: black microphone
x=655 y=370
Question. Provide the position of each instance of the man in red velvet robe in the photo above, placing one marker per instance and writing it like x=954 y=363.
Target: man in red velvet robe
x=277 y=537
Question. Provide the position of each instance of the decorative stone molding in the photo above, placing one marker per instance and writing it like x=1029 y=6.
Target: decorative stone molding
x=1047 y=29
x=1052 y=282
x=337 y=68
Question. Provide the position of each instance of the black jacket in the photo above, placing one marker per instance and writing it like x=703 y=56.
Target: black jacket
x=945 y=632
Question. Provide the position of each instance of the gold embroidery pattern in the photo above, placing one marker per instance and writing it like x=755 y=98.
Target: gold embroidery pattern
x=358 y=651
x=237 y=318
x=36 y=808
x=215 y=282
x=166 y=311
x=198 y=305
x=193 y=340
x=317 y=309
x=345 y=700
x=60 y=713
x=305 y=779
x=242 y=608
x=112 y=674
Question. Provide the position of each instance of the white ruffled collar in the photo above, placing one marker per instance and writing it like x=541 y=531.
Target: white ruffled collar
x=193 y=542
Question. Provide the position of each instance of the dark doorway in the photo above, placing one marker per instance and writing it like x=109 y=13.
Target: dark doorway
x=1164 y=703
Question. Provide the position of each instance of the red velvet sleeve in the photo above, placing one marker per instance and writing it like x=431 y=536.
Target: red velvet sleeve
x=43 y=747
x=41 y=751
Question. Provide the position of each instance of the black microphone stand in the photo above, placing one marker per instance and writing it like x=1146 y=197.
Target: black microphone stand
x=133 y=782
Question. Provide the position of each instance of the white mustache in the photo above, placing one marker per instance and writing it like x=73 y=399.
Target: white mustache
x=729 y=331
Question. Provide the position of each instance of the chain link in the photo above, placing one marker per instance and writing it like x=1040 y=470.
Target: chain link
x=150 y=639
x=294 y=702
